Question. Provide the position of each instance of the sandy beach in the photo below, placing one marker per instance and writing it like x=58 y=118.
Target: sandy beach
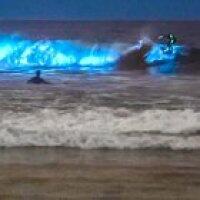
x=59 y=173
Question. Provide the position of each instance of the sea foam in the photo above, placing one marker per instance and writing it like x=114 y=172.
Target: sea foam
x=102 y=128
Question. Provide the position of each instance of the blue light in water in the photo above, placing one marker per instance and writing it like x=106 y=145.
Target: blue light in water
x=160 y=53
x=167 y=68
x=163 y=60
x=17 y=54
x=20 y=55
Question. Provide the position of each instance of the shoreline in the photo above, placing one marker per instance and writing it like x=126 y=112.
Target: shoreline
x=61 y=173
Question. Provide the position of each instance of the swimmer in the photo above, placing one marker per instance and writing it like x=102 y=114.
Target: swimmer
x=37 y=79
x=171 y=40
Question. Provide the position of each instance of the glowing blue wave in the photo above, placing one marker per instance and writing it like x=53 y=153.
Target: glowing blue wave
x=164 y=60
x=17 y=54
x=159 y=53
x=22 y=55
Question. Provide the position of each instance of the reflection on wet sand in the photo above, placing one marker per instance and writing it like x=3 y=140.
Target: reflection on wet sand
x=58 y=173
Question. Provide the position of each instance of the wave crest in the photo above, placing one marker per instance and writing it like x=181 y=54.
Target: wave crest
x=18 y=54
x=102 y=128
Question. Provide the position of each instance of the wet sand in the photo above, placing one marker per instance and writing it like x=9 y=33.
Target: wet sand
x=59 y=173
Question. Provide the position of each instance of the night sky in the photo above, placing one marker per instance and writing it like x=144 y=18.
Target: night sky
x=100 y=9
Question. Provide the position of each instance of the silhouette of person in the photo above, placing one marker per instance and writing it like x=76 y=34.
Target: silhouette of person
x=37 y=79
x=171 y=40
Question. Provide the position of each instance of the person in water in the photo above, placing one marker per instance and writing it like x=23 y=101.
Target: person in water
x=170 y=41
x=37 y=79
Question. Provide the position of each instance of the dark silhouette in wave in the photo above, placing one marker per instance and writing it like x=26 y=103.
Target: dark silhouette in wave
x=37 y=79
x=136 y=60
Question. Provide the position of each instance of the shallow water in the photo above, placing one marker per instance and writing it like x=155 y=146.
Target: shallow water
x=57 y=173
x=119 y=110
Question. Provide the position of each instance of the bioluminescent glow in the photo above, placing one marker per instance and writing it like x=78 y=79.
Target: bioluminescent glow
x=163 y=60
x=159 y=53
x=17 y=54
x=23 y=55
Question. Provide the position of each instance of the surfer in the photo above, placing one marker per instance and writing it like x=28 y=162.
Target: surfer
x=37 y=79
x=170 y=39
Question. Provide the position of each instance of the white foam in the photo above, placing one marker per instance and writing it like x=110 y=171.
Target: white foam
x=102 y=127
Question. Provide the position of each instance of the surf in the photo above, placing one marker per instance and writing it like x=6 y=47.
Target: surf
x=24 y=55
x=19 y=54
x=102 y=128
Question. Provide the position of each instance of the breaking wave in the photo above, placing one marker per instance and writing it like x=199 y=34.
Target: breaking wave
x=24 y=55
x=102 y=128
x=19 y=54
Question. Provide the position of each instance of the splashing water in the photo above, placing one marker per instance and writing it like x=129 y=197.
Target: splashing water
x=160 y=53
x=23 y=55
x=17 y=54
x=163 y=60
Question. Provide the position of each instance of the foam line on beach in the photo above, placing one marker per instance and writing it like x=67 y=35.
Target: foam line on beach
x=102 y=128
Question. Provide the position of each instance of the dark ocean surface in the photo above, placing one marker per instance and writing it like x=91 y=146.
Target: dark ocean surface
x=120 y=110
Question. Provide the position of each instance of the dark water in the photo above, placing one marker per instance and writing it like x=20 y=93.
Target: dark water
x=115 y=110
x=104 y=32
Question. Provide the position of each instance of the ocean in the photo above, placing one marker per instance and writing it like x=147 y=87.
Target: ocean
x=111 y=125
x=96 y=109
